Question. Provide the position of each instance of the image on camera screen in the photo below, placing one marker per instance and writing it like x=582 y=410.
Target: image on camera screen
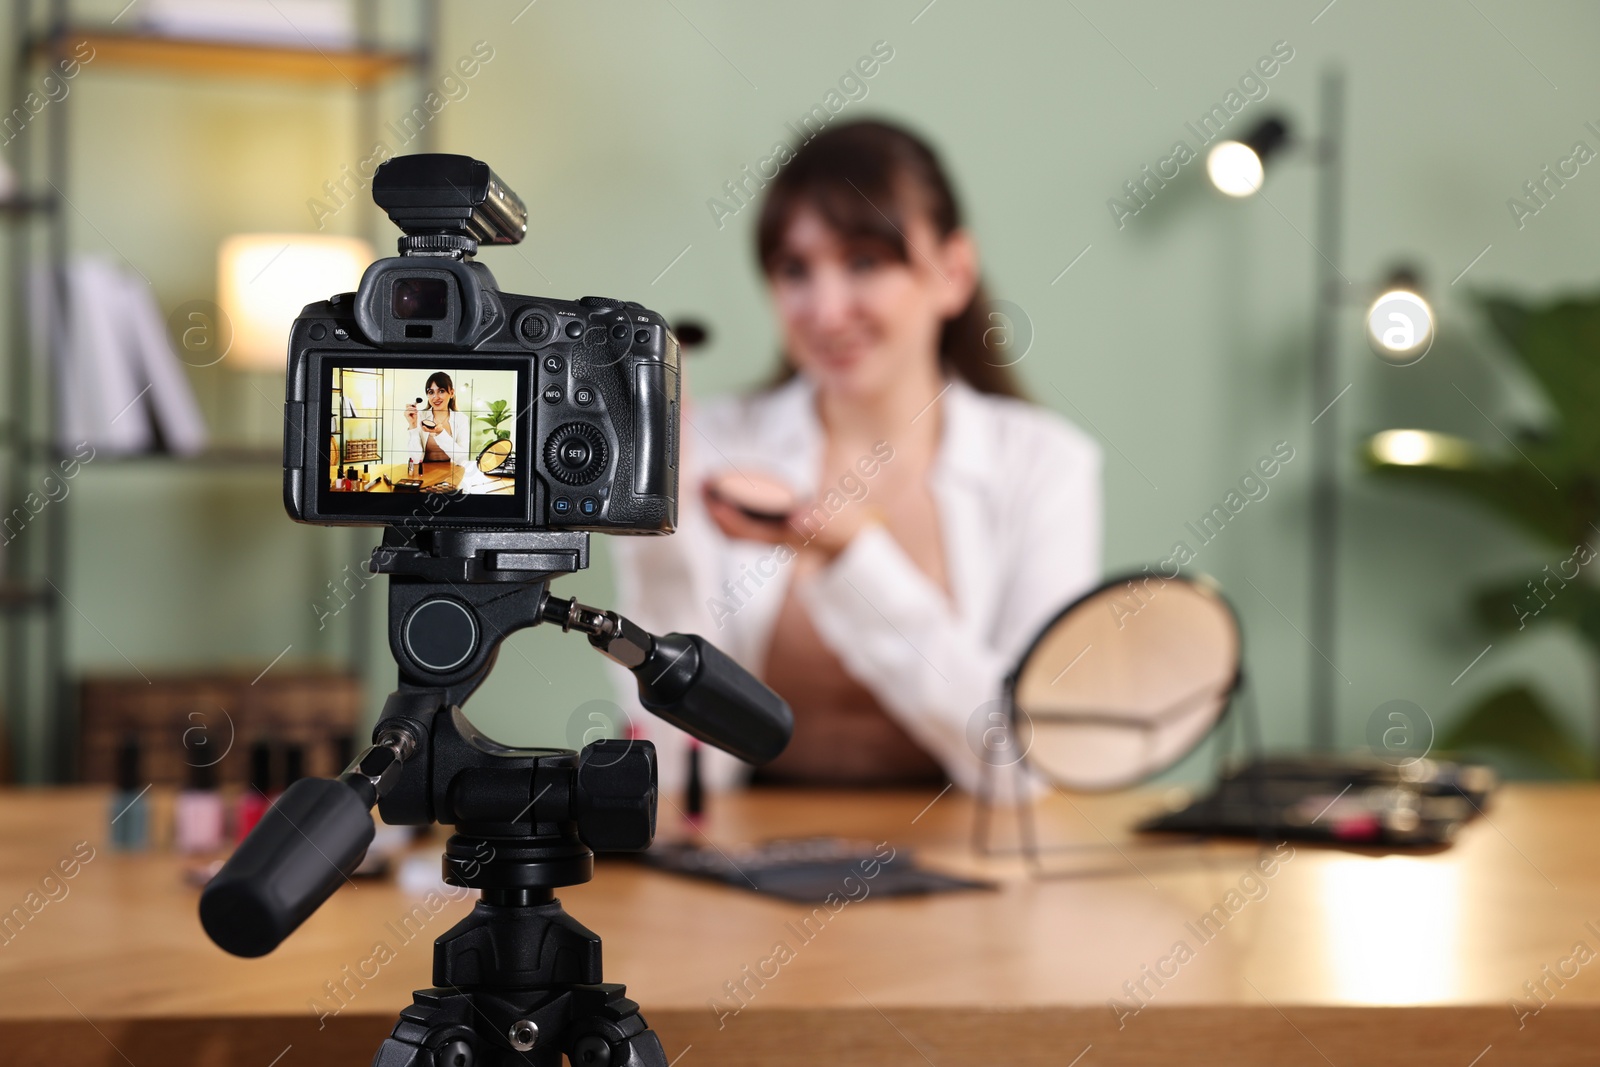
x=423 y=430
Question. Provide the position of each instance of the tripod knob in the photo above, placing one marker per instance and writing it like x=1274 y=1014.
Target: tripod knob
x=615 y=797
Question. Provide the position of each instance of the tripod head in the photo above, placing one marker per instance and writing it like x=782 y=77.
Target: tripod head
x=527 y=820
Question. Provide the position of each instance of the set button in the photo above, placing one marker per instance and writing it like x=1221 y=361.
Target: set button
x=575 y=453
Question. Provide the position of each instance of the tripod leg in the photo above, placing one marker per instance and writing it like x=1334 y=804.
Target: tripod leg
x=432 y=1032
x=594 y=1025
x=608 y=1031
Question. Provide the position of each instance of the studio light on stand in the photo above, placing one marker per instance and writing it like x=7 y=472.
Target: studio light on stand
x=1400 y=326
x=1237 y=168
x=1400 y=322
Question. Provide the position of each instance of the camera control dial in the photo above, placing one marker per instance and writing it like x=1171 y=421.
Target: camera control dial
x=575 y=454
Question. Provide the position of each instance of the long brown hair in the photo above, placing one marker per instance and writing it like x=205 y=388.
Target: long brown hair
x=866 y=180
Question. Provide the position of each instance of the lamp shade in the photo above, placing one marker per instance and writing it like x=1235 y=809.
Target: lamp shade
x=265 y=279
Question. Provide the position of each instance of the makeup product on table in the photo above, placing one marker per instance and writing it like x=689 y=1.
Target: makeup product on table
x=694 y=794
x=257 y=796
x=198 y=819
x=344 y=751
x=294 y=765
x=130 y=807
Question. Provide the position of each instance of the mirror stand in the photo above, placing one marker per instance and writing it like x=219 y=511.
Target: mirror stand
x=1105 y=858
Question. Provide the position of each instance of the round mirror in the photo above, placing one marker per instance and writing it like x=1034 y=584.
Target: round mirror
x=1126 y=681
x=494 y=455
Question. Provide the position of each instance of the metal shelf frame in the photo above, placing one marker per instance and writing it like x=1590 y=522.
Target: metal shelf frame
x=39 y=713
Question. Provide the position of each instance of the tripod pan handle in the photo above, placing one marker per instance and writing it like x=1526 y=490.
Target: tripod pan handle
x=303 y=848
x=695 y=686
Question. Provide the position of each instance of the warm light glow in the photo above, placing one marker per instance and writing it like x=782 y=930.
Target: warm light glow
x=1419 y=448
x=1234 y=168
x=1400 y=326
x=1392 y=928
x=265 y=279
x=1411 y=448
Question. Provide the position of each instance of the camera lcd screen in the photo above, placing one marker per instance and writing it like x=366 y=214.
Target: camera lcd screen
x=439 y=429
x=420 y=298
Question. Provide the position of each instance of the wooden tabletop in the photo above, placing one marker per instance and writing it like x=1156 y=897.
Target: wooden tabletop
x=430 y=474
x=1330 y=957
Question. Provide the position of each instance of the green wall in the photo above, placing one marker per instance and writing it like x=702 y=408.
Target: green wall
x=1181 y=337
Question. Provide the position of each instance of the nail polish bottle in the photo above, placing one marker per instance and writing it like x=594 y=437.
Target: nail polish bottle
x=344 y=752
x=294 y=766
x=130 y=808
x=199 y=815
x=257 y=796
x=694 y=799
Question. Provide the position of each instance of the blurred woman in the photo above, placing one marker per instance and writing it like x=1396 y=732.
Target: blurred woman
x=878 y=533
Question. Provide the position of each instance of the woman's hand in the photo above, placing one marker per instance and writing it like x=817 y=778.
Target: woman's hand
x=808 y=526
x=411 y=416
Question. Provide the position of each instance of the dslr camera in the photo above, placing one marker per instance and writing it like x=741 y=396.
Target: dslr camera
x=429 y=397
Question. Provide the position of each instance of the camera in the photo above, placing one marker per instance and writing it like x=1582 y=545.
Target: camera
x=430 y=398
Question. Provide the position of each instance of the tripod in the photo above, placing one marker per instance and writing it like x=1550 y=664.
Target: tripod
x=518 y=980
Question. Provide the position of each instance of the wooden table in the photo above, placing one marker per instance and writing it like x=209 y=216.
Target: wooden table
x=1338 y=957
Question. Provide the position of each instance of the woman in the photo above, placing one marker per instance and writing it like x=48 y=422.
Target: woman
x=943 y=520
x=445 y=435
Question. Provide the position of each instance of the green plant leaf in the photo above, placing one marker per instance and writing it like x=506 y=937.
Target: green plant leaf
x=1557 y=343
x=1517 y=493
x=1541 y=599
x=1546 y=482
x=1516 y=720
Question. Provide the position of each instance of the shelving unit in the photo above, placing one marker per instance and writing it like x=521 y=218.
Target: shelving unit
x=360 y=68
x=34 y=569
x=351 y=425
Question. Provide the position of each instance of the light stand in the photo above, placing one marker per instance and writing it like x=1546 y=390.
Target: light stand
x=1330 y=292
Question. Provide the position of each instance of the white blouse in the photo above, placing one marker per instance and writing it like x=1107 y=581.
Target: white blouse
x=1017 y=491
